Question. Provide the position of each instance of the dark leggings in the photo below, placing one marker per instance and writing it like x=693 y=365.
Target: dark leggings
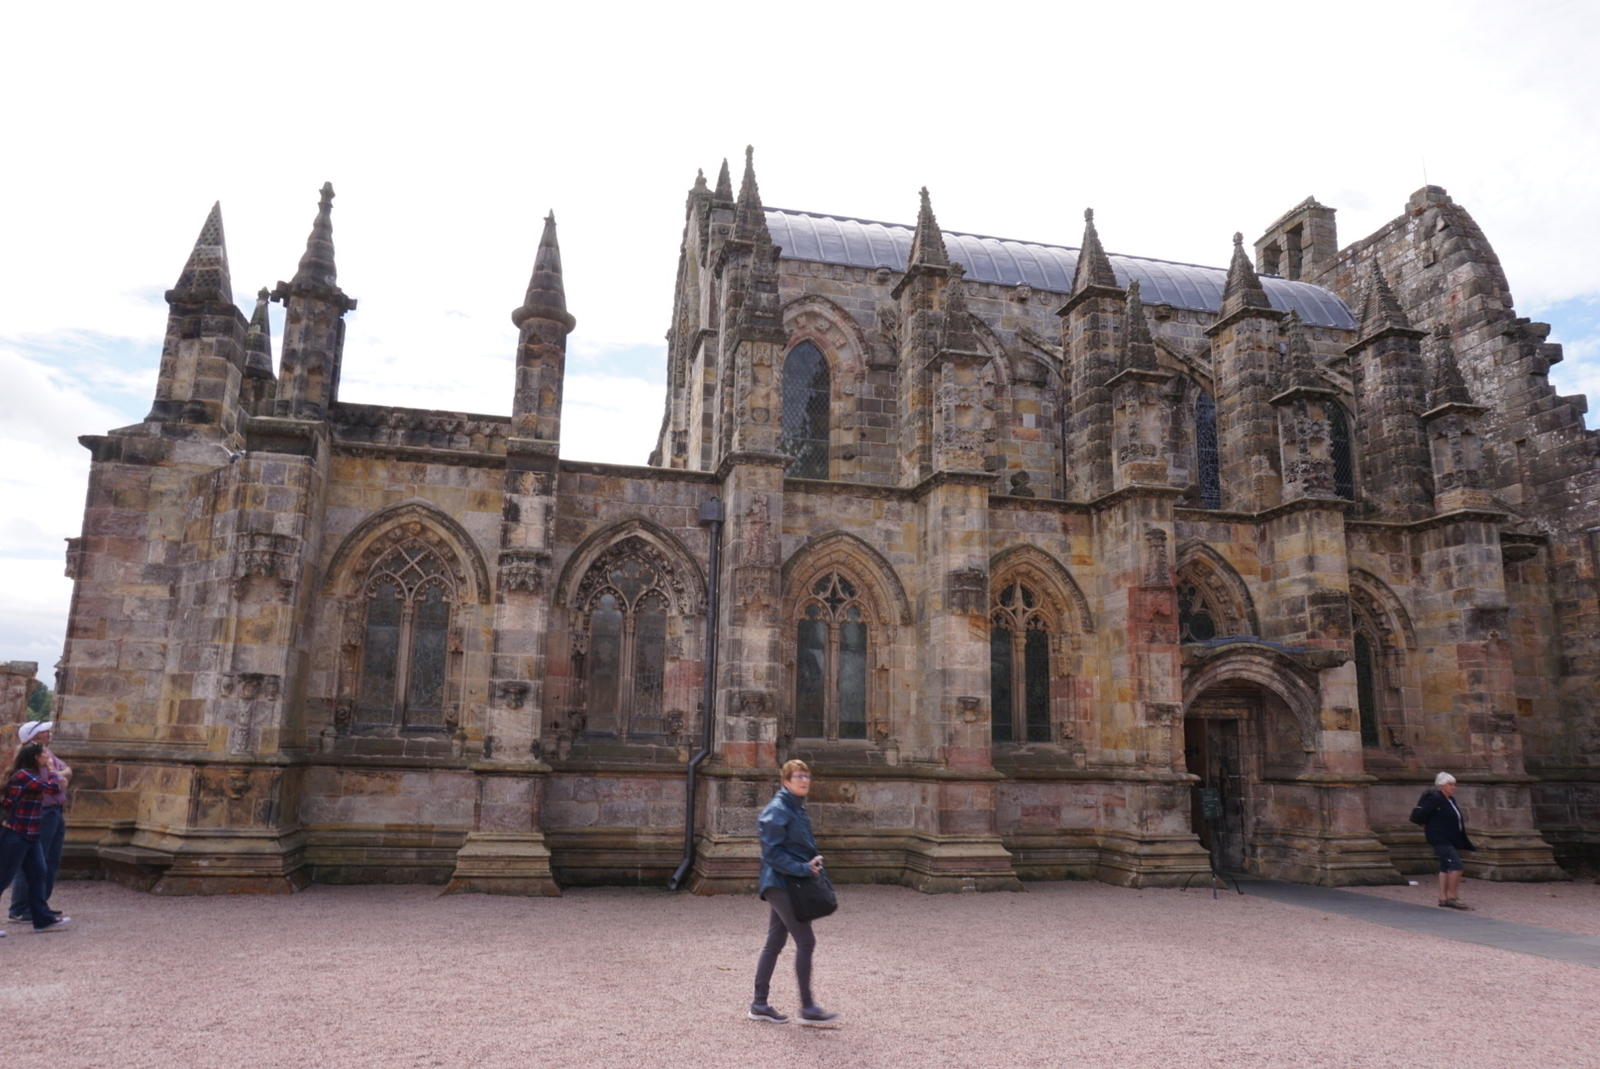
x=780 y=925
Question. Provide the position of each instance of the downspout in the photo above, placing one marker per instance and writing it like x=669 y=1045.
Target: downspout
x=710 y=516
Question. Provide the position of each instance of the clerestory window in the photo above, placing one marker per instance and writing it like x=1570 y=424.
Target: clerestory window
x=806 y=405
x=403 y=662
x=1205 y=451
x=1344 y=468
x=1019 y=667
x=831 y=662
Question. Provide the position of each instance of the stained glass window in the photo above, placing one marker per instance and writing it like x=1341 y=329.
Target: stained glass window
x=1019 y=667
x=1205 y=451
x=625 y=664
x=831 y=639
x=806 y=404
x=405 y=658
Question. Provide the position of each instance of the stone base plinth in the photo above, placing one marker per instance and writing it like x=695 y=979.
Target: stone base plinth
x=949 y=863
x=725 y=865
x=503 y=863
x=1329 y=859
x=1166 y=861
x=209 y=864
x=1511 y=855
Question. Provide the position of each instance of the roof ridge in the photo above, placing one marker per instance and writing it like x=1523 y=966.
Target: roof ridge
x=911 y=228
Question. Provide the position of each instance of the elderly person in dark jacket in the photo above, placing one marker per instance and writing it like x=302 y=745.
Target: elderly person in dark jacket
x=788 y=849
x=1446 y=831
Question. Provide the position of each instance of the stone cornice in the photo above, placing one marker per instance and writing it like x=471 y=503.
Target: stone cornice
x=1453 y=408
x=1116 y=293
x=1304 y=393
x=1272 y=315
x=1386 y=332
x=751 y=459
x=1151 y=376
x=1149 y=491
x=952 y=478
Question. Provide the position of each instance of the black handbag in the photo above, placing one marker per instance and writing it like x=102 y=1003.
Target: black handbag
x=811 y=897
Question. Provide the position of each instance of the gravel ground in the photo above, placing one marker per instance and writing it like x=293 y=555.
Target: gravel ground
x=1074 y=974
x=1573 y=907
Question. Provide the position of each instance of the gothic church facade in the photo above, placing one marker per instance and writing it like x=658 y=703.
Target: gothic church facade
x=1053 y=563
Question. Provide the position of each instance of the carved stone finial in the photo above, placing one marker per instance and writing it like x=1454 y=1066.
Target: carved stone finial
x=1094 y=266
x=927 y=243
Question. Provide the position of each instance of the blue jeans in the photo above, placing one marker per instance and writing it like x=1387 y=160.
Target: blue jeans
x=52 y=835
x=17 y=852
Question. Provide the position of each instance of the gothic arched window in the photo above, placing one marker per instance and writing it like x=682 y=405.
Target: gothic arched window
x=1366 y=690
x=1205 y=451
x=1019 y=667
x=1344 y=468
x=806 y=405
x=403 y=661
x=830 y=699
x=623 y=661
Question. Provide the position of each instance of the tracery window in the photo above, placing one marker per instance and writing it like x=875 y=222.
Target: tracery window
x=623 y=660
x=1197 y=618
x=1019 y=667
x=806 y=405
x=1344 y=468
x=1205 y=451
x=1366 y=689
x=830 y=698
x=409 y=593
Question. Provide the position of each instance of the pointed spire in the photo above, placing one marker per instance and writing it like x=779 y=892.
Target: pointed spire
x=1449 y=388
x=749 y=220
x=258 y=339
x=317 y=269
x=1138 y=347
x=547 y=296
x=1094 y=266
x=1381 y=310
x=724 y=183
x=1243 y=288
x=927 y=243
x=1299 y=365
x=205 y=275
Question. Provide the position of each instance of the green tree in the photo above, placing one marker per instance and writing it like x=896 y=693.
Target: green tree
x=39 y=704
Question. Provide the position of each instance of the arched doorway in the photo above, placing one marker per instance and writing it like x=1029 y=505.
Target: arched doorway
x=1245 y=745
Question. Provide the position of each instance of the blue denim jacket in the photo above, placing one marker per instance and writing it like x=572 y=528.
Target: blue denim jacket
x=787 y=845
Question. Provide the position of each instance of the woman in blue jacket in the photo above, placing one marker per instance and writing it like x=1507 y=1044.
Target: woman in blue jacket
x=787 y=849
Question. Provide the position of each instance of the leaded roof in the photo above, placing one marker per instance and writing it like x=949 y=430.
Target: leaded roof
x=834 y=239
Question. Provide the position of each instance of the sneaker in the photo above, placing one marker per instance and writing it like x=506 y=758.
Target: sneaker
x=759 y=1012
x=18 y=918
x=817 y=1017
x=55 y=925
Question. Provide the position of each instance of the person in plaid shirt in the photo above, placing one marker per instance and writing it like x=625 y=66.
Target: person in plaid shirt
x=32 y=776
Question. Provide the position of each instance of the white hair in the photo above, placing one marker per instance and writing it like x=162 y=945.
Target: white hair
x=1442 y=779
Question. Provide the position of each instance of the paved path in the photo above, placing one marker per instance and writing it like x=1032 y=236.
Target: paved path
x=1432 y=920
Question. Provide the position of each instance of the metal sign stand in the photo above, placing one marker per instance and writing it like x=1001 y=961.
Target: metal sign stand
x=1211 y=812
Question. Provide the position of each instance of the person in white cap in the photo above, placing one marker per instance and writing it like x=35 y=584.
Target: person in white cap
x=52 y=825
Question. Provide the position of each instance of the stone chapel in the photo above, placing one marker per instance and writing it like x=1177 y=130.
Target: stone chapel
x=1053 y=563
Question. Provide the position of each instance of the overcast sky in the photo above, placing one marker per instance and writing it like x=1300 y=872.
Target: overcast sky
x=449 y=132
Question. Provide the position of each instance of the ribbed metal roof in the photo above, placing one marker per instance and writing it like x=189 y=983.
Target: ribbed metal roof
x=833 y=239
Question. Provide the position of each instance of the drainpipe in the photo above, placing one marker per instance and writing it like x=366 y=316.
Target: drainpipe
x=710 y=516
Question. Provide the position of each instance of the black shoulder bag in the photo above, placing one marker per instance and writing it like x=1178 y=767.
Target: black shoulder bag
x=811 y=897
